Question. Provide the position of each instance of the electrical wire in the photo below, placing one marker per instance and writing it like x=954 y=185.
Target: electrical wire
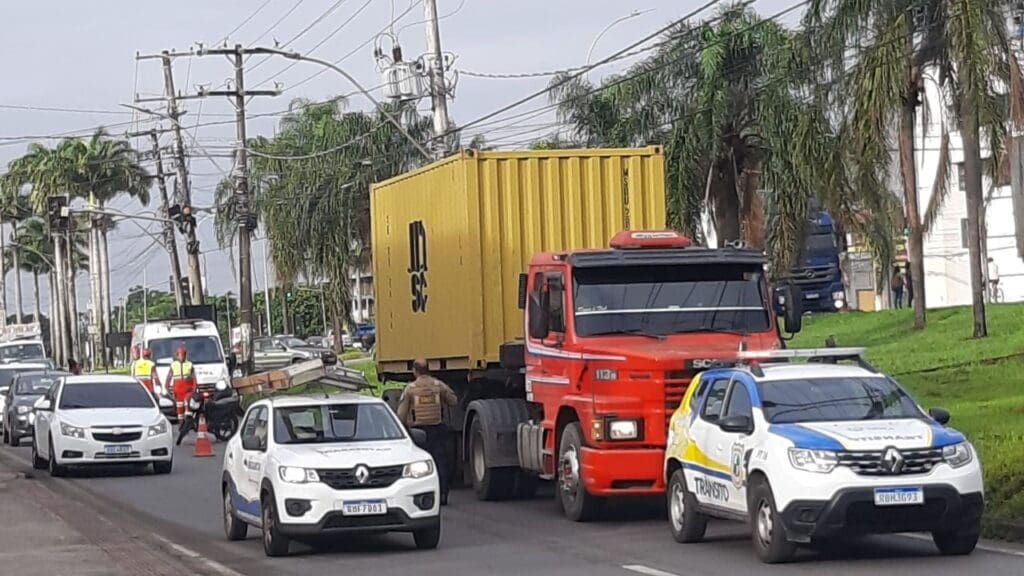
x=330 y=10
x=244 y=22
x=457 y=9
x=275 y=25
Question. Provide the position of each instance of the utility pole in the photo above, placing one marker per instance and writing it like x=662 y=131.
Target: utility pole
x=169 y=238
x=438 y=89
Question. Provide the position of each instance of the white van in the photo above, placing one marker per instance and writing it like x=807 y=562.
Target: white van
x=200 y=339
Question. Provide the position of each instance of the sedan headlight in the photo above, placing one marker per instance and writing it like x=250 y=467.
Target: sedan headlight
x=623 y=430
x=958 y=455
x=296 y=475
x=420 y=469
x=72 y=431
x=157 y=429
x=24 y=409
x=821 y=461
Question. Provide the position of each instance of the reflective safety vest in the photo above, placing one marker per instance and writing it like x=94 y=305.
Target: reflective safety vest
x=143 y=368
x=181 y=372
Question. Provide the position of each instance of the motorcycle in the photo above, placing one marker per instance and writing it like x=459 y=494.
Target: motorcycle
x=220 y=407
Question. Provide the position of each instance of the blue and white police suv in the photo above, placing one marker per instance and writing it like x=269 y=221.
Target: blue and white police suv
x=304 y=466
x=809 y=451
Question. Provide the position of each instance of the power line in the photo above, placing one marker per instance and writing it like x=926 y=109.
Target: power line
x=276 y=23
x=302 y=32
x=244 y=22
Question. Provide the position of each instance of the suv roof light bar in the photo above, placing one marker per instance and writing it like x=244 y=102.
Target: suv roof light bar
x=753 y=359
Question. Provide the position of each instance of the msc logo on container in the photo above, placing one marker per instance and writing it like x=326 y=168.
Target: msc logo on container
x=418 y=265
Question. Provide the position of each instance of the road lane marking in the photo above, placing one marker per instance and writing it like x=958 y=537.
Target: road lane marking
x=190 y=553
x=646 y=570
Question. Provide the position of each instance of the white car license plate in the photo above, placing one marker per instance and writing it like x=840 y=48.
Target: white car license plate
x=898 y=496
x=117 y=449
x=364 y=508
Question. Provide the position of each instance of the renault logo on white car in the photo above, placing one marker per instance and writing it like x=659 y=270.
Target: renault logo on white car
x=892 y=461
x=362 y=474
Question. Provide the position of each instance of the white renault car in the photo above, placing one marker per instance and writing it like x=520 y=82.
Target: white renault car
x=818 y=450
x=91 y=420
x=304 y=466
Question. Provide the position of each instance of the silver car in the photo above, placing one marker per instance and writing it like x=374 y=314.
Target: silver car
x=271 y=353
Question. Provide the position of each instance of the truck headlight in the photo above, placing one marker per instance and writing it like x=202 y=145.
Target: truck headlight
x=157 y=429
x=222 y=384
x=24 y=409
x=821 y=461
x=958 y=455
x=295 y=475
x=623 y=429
x=72 y=431
x=420 y=469
x=839 y=296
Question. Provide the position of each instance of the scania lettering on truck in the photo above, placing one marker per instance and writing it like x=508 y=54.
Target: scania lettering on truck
x=543 y=288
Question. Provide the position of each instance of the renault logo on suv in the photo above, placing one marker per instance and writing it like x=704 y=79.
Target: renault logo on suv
x=362 y=474
x=892 y=461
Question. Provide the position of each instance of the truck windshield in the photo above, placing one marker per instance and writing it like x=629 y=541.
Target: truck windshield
x=659 y=300
x=23 y=351
x=818 y=244
x=834 y=399
x=201 y=349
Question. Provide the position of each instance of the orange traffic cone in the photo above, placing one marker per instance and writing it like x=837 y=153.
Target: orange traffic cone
x=203 y=446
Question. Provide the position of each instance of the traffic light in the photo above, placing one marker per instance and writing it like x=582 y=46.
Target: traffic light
x=56 y=214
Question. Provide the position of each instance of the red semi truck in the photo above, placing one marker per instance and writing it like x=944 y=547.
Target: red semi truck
x=569 y=343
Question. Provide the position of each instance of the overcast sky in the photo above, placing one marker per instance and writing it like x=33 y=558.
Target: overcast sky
x=80 y=55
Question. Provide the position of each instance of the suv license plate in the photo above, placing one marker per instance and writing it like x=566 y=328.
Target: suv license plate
x=364 y=508
x=898 y=496
x=118 y=449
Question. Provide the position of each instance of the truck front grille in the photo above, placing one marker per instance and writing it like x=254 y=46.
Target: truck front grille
x=676 y=384
x=871 y=462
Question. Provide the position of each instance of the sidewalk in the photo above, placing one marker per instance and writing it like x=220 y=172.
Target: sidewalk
x=43 y=533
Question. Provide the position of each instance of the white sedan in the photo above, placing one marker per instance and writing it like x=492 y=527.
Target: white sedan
x=88 y=420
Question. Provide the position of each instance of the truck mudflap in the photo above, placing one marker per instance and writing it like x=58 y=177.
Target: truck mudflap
x=530 y=444
x=499 y=421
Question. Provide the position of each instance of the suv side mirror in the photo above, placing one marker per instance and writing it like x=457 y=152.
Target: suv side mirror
x=419 y=437
x=43 y=405
x=539 y=316
x=792 y=309
x=737 y=424
x=940 y=415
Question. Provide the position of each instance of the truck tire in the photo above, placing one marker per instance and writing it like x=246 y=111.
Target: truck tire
x=488 y=483
x=577 y=504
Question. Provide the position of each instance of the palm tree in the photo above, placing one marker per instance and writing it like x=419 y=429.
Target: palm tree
x=880 y=51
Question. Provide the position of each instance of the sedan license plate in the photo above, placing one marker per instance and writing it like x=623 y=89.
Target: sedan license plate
x=118 y=449
x=898 y=496
x=364 y=508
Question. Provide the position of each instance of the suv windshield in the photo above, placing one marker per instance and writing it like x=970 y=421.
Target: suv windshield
x=105 y=395
x=22 y=352
x=201 y=349
x=293 y=342
x=835 y=399
x=36 y=384
x=669 y=299
x=7 y=374
x=335 y=423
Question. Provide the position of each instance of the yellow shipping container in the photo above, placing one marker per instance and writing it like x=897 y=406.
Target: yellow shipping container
x=450 y=240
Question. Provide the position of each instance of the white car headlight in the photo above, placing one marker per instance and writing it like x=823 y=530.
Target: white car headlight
x=821 y=461
x=420 y=469
x=623 y=430
x=72 y=431
x=222 y=384
x=958 y=455
x=157 y=429
x=296 y=475
x=24 y=409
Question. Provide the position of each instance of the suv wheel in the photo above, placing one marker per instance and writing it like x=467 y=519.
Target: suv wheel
x=274 y=542
x=687 y=523
x=428 y=538
x=958 y=542
x=234 y=528
x=769 y=534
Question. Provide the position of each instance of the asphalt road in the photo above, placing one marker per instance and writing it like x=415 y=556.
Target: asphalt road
x=512 y=538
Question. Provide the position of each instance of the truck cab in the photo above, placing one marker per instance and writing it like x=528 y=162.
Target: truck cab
x=612 y=339
x=817 y=273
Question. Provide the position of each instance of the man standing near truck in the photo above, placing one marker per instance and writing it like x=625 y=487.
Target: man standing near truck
x=421 y=407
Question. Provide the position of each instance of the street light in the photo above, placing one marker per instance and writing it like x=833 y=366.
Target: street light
x=380 y=107
x=611 y=25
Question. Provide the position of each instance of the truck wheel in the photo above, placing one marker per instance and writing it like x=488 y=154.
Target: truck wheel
x=769 y=536
x=577 y=504
x=488 y=483
x=687 y=523
x=958 y=542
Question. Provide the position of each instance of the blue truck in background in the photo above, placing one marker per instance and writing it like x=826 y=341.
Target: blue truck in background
x=818 y=274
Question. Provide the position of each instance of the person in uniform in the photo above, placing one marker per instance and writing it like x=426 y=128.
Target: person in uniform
x=422 y=406
x=145 y=369
x=181 y=380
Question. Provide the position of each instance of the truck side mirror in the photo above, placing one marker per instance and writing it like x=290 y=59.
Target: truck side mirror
x=539 y=318
x=792 y=309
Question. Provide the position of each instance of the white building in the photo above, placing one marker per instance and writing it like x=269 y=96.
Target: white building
x=947 y=276
x=363 y=308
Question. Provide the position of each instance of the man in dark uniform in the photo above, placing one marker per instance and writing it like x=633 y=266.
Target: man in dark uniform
x=421 y=406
